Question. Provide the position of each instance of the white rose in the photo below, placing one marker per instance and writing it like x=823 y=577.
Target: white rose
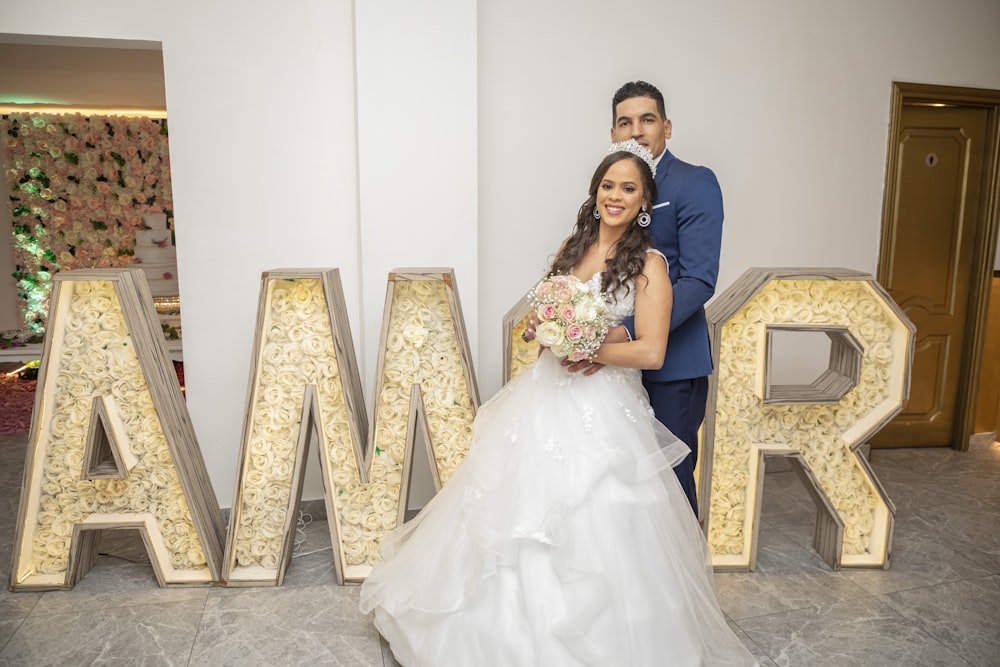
x=415 y=334
x=586 y=311
x=549 y=334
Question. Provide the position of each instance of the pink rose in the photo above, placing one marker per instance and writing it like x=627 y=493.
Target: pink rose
x=544 y=287
x=567 y=314
x=574 y=332
x=564 y=295
x=547 y=312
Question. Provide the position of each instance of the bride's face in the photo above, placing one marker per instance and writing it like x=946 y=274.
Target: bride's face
x=620 y=194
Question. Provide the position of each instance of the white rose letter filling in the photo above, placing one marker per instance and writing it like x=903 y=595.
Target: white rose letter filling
x=305 y=376
x=818 y=426
x=111 y=445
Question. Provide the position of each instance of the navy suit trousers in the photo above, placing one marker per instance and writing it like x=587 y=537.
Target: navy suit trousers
x=680 y=406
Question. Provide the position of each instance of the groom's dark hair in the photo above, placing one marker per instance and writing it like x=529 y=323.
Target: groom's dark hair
x=637 y=89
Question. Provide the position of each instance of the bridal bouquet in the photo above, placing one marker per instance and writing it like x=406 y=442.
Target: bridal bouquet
x=572 y=318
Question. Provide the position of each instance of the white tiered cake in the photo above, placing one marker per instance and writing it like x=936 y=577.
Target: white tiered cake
x=156 y=254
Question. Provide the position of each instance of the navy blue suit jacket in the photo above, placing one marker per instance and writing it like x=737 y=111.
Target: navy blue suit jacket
x=687 y=228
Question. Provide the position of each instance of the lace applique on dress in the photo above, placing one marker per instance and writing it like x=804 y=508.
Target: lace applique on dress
x=621 y=303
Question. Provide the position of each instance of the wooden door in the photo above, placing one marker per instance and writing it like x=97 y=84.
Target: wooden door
x=928 y=260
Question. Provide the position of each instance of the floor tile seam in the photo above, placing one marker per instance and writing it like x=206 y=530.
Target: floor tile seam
x=876 y=598
x=197 y=631
x=760 y=649
x=780 y=526
x=953 y=472
x=927 y=631
x=937 y=536
x=990 y=575
x=33 y=605
x=388 y=657
x=73 y=610
x=955 y=581
x=12 y=635
x=992 y=570
x=866 y=596
x=936 y=583
x=825 y=571
x=975 y=499
x=937 y=487
x=928 y=515
x=958 y=656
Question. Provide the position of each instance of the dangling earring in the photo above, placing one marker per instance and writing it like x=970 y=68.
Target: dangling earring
x=597 y=214
x=643 y=219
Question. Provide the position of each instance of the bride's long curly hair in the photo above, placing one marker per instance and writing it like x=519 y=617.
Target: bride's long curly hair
x=630 y=251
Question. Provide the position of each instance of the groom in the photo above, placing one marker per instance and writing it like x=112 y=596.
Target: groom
x=687 y=228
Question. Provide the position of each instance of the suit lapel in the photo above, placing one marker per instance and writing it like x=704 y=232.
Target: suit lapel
x=662 y=169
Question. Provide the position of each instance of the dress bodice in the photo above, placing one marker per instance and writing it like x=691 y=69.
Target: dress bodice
x=621 y=304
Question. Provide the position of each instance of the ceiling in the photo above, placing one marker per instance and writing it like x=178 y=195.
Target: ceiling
x=80 y=74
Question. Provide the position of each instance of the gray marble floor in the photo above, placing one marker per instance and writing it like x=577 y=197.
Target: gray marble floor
x=939 y=603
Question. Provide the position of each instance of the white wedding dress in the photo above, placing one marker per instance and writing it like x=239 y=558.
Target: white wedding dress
x=563 y=539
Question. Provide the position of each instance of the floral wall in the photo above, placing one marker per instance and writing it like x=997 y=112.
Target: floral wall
x=78 y=188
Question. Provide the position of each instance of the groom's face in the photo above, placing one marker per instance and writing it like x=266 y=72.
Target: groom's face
x=638 y=118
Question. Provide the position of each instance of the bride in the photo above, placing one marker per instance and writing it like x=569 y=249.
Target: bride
x=564 y=538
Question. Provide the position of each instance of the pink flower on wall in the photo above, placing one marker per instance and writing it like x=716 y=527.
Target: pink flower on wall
x=78 y=187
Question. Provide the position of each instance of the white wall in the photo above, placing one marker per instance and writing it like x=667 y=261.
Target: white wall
x=417 y=161
x=263 y=161
x=477 y=129
x=261 y=103
x=787 y=101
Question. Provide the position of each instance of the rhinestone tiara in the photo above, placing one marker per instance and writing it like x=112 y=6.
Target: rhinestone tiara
x=635 y=148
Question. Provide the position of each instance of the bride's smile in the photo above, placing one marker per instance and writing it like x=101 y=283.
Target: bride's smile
x=620 y=195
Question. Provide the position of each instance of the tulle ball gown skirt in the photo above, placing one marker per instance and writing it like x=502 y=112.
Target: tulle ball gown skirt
x=563 y=539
